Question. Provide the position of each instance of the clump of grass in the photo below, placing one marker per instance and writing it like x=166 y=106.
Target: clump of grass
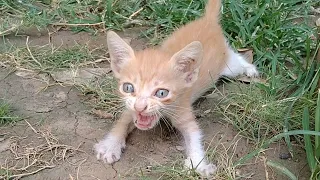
x=259 y=115
x=91 y=15
x=5 y=114
x=312 y=149
x=281 y=41
x=48 y=59
x=252 y=111
x=103 y=94
x=285 y=47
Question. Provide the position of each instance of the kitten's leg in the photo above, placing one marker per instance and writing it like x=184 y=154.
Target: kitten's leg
x=237 y=65
x=110 y=148
x=191 y=132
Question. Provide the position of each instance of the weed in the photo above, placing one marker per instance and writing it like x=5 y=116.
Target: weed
x=5 y=114
x=48 y=59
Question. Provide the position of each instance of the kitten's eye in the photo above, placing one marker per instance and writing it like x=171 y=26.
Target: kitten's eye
x=128 y=88
x=162 y=93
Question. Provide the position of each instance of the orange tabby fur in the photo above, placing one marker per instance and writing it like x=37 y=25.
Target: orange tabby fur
x=165 y=81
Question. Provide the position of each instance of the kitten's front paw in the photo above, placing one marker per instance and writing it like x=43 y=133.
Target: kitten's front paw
x=251 y=71
x=110 y=149
x=203 y=168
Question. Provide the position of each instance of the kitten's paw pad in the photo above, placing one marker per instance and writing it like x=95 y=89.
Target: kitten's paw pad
x=203 y=168
x=251 y=71
x=109 y=150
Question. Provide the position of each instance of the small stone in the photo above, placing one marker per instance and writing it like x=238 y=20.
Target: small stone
x=285 y=156
x=207 y=111
x=180 y=148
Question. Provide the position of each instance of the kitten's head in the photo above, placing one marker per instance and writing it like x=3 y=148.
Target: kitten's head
x=151 y=81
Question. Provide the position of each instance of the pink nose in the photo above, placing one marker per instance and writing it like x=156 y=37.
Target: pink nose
x=140 y=107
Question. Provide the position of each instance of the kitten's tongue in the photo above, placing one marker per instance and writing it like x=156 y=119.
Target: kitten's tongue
x=145 y=120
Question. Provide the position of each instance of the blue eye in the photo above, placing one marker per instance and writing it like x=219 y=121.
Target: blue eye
x=127 y=87
x=162 y=93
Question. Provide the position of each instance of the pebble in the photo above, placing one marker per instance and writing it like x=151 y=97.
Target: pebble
x=284 y=155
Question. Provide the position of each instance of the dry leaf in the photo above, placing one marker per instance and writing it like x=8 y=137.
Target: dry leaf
x=79 y=76
x=247 y=79
x=102 y=114
x=247 y=54
x=27 y=74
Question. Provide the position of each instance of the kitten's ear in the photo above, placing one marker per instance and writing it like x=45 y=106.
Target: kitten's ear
x=187 y=61
x=120 y=52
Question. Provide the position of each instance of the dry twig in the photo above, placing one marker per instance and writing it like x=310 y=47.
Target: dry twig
x=29 y=158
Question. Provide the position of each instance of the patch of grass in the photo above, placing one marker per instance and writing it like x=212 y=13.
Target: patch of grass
x=5 y=114
x=48 y=59
x=102 y=94
x=285 y=46
x=91 y=15
x=259 y=115
x=312 y=149
x=252 y=111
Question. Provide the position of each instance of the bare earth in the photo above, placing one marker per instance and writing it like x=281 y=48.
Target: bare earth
x=58 y=132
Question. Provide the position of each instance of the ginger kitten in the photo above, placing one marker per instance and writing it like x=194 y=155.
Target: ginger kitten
x=165 y=81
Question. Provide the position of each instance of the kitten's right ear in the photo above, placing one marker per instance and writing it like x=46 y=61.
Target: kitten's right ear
x=120 y=52
x=187 y=61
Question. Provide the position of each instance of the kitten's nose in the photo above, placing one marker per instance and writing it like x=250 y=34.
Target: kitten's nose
x=140 y=108
x=140 y=105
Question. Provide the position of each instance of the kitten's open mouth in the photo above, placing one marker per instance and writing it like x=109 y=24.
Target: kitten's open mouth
x=144 y=122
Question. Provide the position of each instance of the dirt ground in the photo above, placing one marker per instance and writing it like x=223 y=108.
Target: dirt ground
x=57 y=133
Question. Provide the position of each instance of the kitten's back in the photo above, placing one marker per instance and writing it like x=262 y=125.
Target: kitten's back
x=208 y=31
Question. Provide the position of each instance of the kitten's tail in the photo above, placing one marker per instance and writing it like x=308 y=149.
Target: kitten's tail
x=212 y=13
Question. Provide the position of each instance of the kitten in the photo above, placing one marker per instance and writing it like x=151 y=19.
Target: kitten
x=165 y=81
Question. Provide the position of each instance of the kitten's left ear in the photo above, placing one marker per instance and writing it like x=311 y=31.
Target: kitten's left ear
x=120 y=52
x=187 y=61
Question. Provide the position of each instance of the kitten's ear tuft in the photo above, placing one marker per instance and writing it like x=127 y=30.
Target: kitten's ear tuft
x=120 y=52
x=187 y=62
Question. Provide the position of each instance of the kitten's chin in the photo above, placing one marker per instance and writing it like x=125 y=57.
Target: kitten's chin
x=145 y=122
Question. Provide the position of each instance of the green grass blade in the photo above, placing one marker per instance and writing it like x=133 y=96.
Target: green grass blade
x=275 y=138
x=286 y=127
x=282 y=169
x=317 y=125
x=316 y=173
x=307 y=139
